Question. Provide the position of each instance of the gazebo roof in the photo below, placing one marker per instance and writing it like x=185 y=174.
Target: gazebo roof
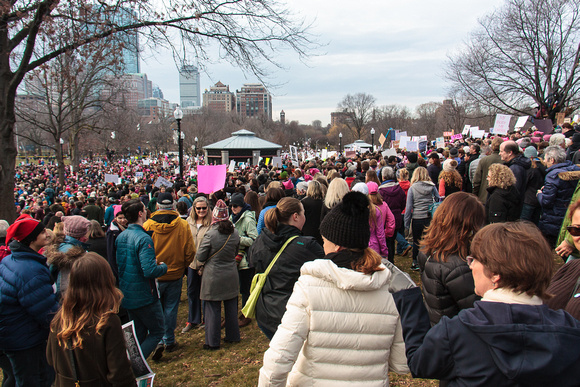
x=242 y=139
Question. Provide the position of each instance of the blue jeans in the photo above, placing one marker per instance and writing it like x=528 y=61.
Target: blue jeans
x=402 y=243
x=193 y=290
x=170 y=292
x=149 y=326
x=29 y=367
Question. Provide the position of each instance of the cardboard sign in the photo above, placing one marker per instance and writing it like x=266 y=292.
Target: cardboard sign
x=465 y=131
x=211 y=178
x=544 y=125
x=382 y=139
x=502 y=124
x=521 y=122
x=560 y=118
x=396 y=144
x=110 y=178
x=447 y=134
x=349 y=154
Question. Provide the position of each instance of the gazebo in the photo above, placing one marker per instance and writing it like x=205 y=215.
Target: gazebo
x=242 y=146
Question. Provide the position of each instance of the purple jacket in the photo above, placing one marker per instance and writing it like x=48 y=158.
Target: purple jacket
x=396 y=199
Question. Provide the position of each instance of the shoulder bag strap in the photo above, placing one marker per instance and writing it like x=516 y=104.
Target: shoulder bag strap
x=576 y=290
x=279 y=253
x=214 y=254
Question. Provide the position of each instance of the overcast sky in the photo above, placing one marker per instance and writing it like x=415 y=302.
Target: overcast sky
x=394 y=50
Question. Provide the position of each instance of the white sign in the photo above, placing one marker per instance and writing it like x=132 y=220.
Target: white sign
x=576 y=118
x=423 y=138
x=477 y=133
x=403 y=141
x=162 y=181
x=441 y=144
x=232 y=166
x=466 y=130
x=389 y=152
x=110 y=178
x=324 y=154
x=293 y=153
x=139 y=175
x=521 y=121
x=277 y=162
x=412 y=146
x=502 y=124
x=415 y=138
x=146 y=162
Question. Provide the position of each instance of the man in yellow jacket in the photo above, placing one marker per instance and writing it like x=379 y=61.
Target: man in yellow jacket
x=173 y=245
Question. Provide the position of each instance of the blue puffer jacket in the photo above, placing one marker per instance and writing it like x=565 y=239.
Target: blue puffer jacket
x=137 y=267
x=27 y=300
x=555 y=197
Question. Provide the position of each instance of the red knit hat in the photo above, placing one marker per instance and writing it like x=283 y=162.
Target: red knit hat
x=25 y=228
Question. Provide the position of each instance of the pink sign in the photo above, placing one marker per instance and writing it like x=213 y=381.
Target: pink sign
x=458 y=136
x=211 y=178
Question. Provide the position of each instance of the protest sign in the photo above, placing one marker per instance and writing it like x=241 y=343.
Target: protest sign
x=560 y=118
x=211 y=178
x=293 y=152
x=567 y=120
x=502 y=124
x=324 y=154
x=143 y=373
x=277 y=162
x=440 y=139
x=544 y=125
x=447 y=134
x=423 y=146
x=412 y=146
x=477 y=133
x=396 y=144
x=161 y=181
x=415 y=138
x=423 y=138
x=110 y=178
x=458 y=136
x=349 y=154
x=232 y=166
x=576 y=117
x=403 y=141
x=521 y=121
x=466 y=130
x=146 y=162
x=440 y=144
x=139 y=175
x=382 y=139
x=389 y=152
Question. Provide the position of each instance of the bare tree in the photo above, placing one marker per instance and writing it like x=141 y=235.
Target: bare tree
x=248 y=34
x=359 y=108
x=522 y=55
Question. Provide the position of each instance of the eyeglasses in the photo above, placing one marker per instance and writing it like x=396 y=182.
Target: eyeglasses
x=470 y=260
x=201 y=208
x=574 y=230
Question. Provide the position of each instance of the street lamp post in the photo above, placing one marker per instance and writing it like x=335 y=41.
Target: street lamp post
x=373 y=138
x=178 y=114
x=196 y=146
x=61 y=150
x=340 y=142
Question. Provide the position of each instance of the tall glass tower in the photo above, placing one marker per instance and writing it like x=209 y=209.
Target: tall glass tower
x=189 y=86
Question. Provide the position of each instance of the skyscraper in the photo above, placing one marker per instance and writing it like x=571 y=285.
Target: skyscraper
x=189 y=86
x=254 y=100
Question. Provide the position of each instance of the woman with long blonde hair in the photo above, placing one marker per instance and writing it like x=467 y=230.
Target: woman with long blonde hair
x=86 y=342
x=336 y=190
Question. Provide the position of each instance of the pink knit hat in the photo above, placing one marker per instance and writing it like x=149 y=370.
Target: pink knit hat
x=76 y=226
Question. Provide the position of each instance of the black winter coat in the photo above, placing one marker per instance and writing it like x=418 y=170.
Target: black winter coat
x=502 y=205
x=448 y=286
x=535 y=182
x=285 y=272
x=312 y=211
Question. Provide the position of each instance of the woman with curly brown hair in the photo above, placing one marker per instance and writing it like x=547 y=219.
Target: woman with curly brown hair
x=503 y=198
x=447 y=280
x=86 y=342
x=450 y=181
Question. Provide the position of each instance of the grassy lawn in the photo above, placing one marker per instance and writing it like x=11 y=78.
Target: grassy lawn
x=234 y=364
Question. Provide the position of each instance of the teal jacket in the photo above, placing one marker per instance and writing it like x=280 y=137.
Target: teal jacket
x=137 y=267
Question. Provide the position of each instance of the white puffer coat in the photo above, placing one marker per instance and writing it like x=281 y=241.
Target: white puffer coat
x=341 y=328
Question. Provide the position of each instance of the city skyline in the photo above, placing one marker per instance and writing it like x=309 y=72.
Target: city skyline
x=394 y=51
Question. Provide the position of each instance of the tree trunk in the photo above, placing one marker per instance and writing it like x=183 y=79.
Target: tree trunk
x=74 y=150
x=60 y=161
x=7 y=168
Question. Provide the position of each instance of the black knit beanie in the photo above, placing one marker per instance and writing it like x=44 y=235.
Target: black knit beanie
x=347 y=224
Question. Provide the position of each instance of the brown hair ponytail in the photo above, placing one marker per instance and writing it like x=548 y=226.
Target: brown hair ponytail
x=285 y=208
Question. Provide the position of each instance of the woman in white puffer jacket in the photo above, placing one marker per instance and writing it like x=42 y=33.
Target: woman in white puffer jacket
x=341 y=325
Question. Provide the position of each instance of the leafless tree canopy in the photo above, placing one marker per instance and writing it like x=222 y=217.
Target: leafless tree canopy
x=359 y=108
x=246 y=33
x=523 y=55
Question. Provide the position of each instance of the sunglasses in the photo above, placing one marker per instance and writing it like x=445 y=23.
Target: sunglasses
x=470 y=260
x=201 y=208
x=574 y=230
x=235 y=206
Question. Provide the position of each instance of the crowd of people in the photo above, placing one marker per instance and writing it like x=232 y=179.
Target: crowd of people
x=482 y=217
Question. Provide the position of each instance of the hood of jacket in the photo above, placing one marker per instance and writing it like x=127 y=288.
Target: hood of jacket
x=389 y=185
x=163 y=221
x=345 y=278
x=525 y=341
x=63 y=260
x=565 y=167
x=520 y=160
x=275 y=241
x=423 y=187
